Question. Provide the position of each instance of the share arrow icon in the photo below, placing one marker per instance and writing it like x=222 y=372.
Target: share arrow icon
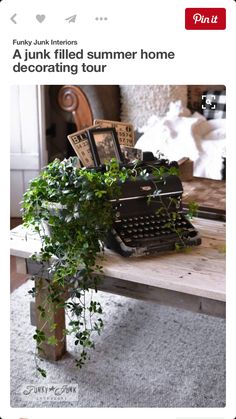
x=71 y=19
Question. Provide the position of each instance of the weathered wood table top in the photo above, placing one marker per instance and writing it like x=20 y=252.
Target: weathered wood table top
x=200 y=272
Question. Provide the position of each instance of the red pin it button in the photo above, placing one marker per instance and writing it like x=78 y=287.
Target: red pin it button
x=205 y=18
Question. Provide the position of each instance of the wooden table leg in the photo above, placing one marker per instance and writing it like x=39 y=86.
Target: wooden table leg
x=54 y=316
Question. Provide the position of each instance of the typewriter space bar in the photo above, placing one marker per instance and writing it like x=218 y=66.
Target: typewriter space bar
x=164 y=243
x=158 y=247
x=152 y=245
x=172 y=238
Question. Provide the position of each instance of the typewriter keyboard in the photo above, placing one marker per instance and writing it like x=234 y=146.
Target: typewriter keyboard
x=151 y=228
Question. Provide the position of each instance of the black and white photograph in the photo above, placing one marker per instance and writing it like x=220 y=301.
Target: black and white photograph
x=104 y=144
x=131 y=154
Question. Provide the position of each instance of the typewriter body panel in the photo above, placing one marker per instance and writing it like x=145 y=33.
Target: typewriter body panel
x=144 y=222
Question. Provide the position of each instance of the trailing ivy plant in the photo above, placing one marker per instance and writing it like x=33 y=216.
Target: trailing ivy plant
x=70 y=208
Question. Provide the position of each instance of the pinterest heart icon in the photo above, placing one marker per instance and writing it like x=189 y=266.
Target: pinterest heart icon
x=40 y=18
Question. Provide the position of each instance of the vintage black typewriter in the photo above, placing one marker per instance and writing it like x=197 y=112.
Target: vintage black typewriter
x=149 y=217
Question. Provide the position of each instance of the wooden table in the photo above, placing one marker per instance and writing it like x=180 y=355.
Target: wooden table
x=192 y=280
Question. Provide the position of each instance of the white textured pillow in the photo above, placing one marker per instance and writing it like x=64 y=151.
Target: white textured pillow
x=139 y=102
x=173 y=137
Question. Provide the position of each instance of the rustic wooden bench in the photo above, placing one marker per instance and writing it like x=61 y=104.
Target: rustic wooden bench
x=192 y=280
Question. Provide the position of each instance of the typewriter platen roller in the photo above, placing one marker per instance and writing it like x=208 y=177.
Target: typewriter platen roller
x=144 y=222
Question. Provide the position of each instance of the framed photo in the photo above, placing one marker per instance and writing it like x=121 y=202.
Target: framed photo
x=131 y=154
x=104 y=145
x=125 y=132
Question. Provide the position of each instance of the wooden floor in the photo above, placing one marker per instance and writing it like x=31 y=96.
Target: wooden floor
x=206 y=193
x=17 y=279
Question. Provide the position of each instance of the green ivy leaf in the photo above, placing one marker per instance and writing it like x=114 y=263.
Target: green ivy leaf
x=42 y=372
x=52 y=340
